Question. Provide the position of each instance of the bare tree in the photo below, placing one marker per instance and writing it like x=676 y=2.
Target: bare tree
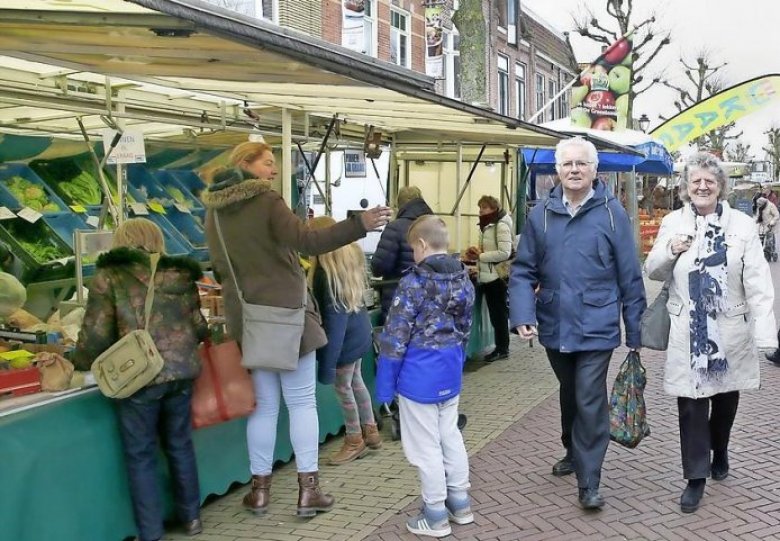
x=738 y=152
x=773 y=149
x=702 y=80
x=647 y=41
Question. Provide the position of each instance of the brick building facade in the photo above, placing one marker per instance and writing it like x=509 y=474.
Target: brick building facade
x=526 y=60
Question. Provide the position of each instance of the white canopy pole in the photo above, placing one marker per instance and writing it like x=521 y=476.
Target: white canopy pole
x=286 y=155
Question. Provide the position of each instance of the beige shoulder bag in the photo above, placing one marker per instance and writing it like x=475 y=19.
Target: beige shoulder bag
x=133 y=361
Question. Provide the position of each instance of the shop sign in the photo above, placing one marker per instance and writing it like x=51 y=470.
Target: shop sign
x=354 y=164
x=129 y=149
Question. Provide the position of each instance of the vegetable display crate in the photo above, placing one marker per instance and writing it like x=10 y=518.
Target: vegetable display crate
x=177 y=190
x=190 y=180
x=148 y=187
x=64 y=226
x=73 y=179
x=20 y=381
x=21 y=187
x=191 y=227
x=43 y=254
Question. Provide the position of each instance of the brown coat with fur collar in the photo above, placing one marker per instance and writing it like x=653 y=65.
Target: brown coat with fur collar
x=263 y=238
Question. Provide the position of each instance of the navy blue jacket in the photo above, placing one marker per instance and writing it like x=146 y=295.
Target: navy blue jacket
x=393 y=255
x=587 y=271
x=349 y=333
x=423 y=344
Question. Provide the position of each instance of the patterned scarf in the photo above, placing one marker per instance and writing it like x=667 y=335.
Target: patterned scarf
x=707 y=289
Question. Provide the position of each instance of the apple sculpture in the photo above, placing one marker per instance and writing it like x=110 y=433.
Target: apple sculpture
x=600 y=99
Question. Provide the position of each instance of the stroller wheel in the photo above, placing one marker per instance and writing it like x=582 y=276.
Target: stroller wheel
x=462 y=420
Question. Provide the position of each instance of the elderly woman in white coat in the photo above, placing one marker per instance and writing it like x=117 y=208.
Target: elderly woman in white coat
x=720 y=305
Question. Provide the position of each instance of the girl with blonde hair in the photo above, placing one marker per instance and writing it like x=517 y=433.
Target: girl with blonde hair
x=338 y=280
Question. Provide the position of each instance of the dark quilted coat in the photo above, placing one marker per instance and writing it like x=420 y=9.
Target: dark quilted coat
x=394 y=256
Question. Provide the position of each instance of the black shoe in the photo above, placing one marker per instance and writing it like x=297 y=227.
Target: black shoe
x=496 y=355
x=774 y=357
x=564 y=466
x=691 y=496
x=720 y=465
x=590 y=498
x=193 y=527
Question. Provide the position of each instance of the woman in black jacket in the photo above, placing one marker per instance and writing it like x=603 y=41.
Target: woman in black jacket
x=393 y=255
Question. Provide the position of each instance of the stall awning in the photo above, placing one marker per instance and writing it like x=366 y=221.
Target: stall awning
x=181 y=70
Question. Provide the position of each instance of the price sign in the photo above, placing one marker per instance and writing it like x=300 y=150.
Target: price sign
x=182 y=208
x=78 y=209
x=129 y=149
x=30 y=215
x=157 y=207
x=139 y=209
x=6 y=214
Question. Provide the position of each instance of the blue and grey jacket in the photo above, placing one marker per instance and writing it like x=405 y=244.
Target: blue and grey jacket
x=587 y=271
x=423 y=345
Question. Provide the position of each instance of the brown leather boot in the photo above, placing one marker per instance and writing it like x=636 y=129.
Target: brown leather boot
x=353 y=448
x=259 y=495
x=310 y=497
x=371 y=436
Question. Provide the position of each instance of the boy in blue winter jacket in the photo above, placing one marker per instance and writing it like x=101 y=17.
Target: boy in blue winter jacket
x=422 y=351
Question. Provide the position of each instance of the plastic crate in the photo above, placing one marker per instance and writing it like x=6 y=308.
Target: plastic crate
x=16 y=232
x=189 y=180
x=175 y=243
x=146 y=187
x=8 y=199
x=169 y=180
x=64 y=225
x=190 y=227
x=57 y=171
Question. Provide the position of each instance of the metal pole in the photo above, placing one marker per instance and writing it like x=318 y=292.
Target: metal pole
x=287 y=156
x=468 y=180
x=458 y=180
x=633 y=207
x=328 y=186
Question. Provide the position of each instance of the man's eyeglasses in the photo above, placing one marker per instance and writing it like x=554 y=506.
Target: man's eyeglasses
x=578 y=164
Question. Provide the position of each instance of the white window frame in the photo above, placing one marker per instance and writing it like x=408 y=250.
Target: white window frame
x=521 y=90
x=407 y=33
x=552 y=90
x=450 y=54
x=274 y=18
x=511 y=25
x=372 y=21
x=502 y=72
x=539 y=95
x=563 y=102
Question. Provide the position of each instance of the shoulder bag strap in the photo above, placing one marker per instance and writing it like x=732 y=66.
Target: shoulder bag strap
x=153 y=260
x=227 y=256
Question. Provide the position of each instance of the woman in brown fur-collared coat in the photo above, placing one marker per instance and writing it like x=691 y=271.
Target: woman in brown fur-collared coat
x=263 y=238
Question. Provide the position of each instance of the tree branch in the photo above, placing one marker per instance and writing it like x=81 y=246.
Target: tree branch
x=663 y=43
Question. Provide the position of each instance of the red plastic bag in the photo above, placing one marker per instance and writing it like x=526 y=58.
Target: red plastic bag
x=224 y=389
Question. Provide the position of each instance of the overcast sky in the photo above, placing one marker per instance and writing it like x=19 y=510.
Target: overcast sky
x=744 y=33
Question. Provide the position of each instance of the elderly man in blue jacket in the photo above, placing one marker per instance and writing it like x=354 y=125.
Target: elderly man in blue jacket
x=575 y=272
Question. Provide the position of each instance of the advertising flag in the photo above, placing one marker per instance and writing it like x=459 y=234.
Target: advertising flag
x=718 y=110
x=600 y=98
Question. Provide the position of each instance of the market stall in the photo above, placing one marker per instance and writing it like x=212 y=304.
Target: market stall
x=190 y=81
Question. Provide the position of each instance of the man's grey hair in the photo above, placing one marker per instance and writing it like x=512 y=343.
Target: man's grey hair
x=704 y=161
x=563 y=144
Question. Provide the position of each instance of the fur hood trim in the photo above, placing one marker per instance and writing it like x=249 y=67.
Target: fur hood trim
x=236 y=193
x=121 y=257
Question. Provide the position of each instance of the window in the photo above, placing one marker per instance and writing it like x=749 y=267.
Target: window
x=399 y=38
x=503 y=85
x=502 y=13
x=539 y=89
x=511 y=27
x=369 y=28
x=563 y=80
x=520 y=94
x=451 y=63
x=253 y=8
x=552 y=90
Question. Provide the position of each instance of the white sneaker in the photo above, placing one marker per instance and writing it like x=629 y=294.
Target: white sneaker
x=430 y=523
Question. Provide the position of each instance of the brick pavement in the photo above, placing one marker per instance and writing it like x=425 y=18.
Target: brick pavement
x=372 y=490
x=513 y=439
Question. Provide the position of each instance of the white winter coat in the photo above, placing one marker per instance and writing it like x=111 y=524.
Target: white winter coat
x=495 y=252
x=747 y=324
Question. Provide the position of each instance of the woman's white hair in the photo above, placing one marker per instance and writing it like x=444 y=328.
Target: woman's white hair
x=704 y=161
x=563 y=144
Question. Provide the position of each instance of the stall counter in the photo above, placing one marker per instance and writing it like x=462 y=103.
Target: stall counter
x=62 y=475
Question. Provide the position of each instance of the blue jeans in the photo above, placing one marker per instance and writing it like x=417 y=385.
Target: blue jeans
x=159 y=410
x=298 y=387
